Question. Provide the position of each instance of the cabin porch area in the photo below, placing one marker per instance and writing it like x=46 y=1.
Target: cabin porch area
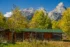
x=7 y=36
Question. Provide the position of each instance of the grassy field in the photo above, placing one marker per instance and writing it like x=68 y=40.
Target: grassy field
x=38 y=43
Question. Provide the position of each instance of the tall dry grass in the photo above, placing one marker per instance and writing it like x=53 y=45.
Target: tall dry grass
x=38 y=43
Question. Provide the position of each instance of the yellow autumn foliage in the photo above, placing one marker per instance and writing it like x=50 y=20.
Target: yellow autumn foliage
x=65 y=21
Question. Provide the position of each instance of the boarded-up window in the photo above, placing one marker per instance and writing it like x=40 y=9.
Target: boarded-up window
x=26 y=35
x=47 y=35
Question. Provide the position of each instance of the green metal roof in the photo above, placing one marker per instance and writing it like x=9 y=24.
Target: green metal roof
x=41 y=30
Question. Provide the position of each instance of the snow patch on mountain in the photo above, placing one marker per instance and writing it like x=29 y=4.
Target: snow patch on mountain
x=28 y=12
x=56 y=14
x=8 y=14
x=43 y=9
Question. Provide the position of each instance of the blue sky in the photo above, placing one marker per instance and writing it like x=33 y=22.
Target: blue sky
x=6 y=5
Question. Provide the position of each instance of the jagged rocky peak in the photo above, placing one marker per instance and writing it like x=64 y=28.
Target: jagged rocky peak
x=60 y=5
x=56 y=14
x=31 y=10
x=43 y=9
x=8 y=14
x=28 y=12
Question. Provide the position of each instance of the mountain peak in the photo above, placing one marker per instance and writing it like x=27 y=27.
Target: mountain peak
x=43 y=9
x=61 y=4
x=8 y=14
x=57 y=12
x=31 y=10
x=28 y=12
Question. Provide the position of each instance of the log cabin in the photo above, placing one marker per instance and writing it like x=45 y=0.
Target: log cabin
x=39 y=34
